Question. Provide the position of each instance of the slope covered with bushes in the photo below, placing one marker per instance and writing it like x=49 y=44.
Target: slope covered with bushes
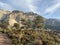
x=32 y=37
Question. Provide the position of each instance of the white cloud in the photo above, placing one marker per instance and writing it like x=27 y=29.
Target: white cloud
x=29 y=1
x=5 y=6
x=20 y=4
x=32 y=7
x=52 y=8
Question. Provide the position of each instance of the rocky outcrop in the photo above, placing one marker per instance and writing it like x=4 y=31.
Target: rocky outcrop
x=16 y=16
x=3 y=14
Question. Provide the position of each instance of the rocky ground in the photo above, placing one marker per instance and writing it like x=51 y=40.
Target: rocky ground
x=4 y=40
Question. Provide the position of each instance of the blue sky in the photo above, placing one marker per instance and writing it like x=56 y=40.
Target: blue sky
x=46 y=8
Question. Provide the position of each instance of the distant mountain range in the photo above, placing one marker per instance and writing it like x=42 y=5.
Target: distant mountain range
x=53 y=24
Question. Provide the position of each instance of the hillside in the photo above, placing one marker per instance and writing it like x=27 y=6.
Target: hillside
x=26 y=28
x=15 y=16
x=24 y=19
x=33 y=37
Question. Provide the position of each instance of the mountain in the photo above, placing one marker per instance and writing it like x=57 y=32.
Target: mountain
x=16 y=17
x=26 y=18
x=53 y=24
x=26 y=28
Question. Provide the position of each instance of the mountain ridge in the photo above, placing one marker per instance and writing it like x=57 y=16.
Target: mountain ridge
x=53 y=24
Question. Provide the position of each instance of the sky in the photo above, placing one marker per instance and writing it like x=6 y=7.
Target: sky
x=45 y=8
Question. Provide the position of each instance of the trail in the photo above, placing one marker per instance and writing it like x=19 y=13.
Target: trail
x=4 y=40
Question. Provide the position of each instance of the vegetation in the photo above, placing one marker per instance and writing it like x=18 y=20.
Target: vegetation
x=38 y=22
x=37 y=35
x=16 y=25
x=32 y=37
x=4 y=25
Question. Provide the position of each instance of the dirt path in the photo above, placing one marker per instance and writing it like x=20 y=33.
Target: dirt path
x=4 y=40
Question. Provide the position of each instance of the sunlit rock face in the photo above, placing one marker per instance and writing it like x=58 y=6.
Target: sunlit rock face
x=16 y=16
x=3 y=14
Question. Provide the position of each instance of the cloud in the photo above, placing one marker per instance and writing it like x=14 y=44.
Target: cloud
x=5 y=6
x=20 y=4
x=29 y=5
x=56 y=1
x=23 y=5
x=32 y=7
x=52 y=8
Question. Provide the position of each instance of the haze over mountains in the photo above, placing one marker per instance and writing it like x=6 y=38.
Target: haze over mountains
x=53 y=24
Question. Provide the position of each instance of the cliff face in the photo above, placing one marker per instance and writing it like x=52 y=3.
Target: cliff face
x=3 y=14
x=15 y=16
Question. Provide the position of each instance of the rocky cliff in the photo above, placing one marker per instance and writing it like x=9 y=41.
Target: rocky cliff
x=15 y=16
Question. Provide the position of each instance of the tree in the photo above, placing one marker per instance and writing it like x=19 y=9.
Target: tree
x=16 y=25
x=38 y=22
x=29 y=23
x=4 y=25
x=15 y=11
